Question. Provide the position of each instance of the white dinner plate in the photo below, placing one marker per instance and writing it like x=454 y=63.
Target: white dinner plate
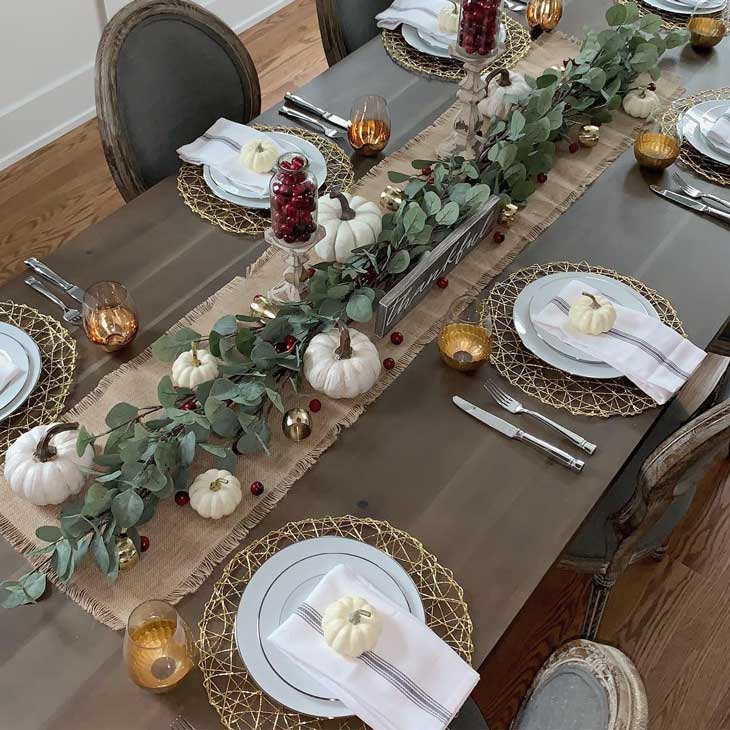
x=280 y=585
x=536 y=295
x=19 y=358
x=318 y=166
x=34 y=368
x=413 y=38
x=671 y=6
x=688 y=128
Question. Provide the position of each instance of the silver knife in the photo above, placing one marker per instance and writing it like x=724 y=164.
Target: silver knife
x=72 y=316
x=328 y=116
x=49 y=275
x=692 y=204
x=318 y=124
x=507 y=429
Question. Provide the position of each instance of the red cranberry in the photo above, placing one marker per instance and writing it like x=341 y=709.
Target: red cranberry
x=389 y=363
x=651 y=87
x=426 y=171
x=257 y=489
x=189 y=406
x=542 y=178
x=396 y=338
x=144 y=543
x=280 y=347
x=182 y=499
x=315 y=405
x=290 y=342
x=573 y=147
x=442 y=283
x=498 y=237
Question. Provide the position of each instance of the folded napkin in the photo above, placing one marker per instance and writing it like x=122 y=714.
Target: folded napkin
x=220 y=147
x=8 y=370
x=719 y=133
x=647 y=352
x=411 y=680
x=421 y=14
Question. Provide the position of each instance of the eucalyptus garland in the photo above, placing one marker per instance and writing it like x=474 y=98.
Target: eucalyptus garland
x=148 y=452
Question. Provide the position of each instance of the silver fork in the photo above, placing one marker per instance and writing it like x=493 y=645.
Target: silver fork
x=180 y=723
x=72 y=316
x=318 y=124
x=514 y=406
x=696 y=193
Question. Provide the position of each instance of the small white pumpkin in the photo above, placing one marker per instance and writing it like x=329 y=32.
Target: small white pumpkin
x=449 y=18
x=348 y=223
x=260 y=155
x=503 y=83
x=341 y=364
x=351 y=626
x=43 y=467
x=641 y=103
x=215 y=493
x=592 y=314
x=193 y=367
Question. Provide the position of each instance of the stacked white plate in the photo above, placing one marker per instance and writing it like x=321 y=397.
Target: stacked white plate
x=226 y=189
x=25 y=354
x=280 y=585
x=432 y=46
x=695 y=124
x=688 y=7
x=534 y=297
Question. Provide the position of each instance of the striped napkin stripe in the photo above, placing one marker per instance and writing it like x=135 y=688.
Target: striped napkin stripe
x=404 y=684
x=658 y=355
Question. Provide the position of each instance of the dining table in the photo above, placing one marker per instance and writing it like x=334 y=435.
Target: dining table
x=494 y=512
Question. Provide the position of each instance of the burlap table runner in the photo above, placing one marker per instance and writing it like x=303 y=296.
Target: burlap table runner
x=185 y=548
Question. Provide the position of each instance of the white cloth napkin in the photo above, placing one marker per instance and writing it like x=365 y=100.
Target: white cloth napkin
x=8 y=370
x=421 y=14
x=719 y=133
x=647 y=352
x=411 y=680
x=220 y=147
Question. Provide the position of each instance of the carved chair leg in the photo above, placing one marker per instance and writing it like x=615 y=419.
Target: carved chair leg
x=659 y=553
x=600 y=591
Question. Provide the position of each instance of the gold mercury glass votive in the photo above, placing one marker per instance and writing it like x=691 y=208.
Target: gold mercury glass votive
x=656 y=151
x=706 y=32
x=465 y=339
x=589 y=135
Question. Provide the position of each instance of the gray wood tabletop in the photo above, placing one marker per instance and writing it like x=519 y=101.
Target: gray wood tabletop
x=495 y=512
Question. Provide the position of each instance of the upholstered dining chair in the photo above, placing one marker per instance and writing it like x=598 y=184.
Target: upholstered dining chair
x=469 y=718
x=637 y=514
x=345 y=25
x=585 y=686
x=165 y=71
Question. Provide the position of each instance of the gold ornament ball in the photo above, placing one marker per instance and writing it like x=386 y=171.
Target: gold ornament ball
x=128 y=556
x=589 y=135
x=263 y=308
x=508 y=214
x=297 y=424
x=391 y=198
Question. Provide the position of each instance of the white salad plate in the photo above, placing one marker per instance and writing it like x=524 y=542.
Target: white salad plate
x=702 y=8
x=227 y=190
x=281 y=584
x=19 y=358
x=33 y=366
x=689 y=128
x=535 y=296
x=425 y=45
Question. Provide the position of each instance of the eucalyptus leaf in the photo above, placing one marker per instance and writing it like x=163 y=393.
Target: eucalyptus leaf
x=127 y=508
x=168 y=347
x=397 y=177
x=359 y=306
x=226 y=325
x=100 y=553
x=83 y=440
x=49 y=533
x=121 y=414
x=431 y=202
x=448 y=215
x=399 y=263
x=187 y=449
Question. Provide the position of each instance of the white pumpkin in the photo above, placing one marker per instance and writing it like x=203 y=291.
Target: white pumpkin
x=449 y=19
x=341 y=364
x=215 y=493
x=43 y=467
x=641 y=103
x=592 y=314
x=259 y=155
x=504 y=83
x=348 y=223
x=193 y=367
x=351 y=626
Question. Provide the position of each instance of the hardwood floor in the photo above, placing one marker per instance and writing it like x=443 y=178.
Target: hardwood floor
x=58 y=191
x=672 y=618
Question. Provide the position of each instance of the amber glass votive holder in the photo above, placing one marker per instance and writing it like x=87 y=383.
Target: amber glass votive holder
x=706 y=32
x=369 y=131
x=465 y=340
x=655 y=150
x=110 y=316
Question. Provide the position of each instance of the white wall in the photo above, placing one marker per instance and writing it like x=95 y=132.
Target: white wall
x=47 y=51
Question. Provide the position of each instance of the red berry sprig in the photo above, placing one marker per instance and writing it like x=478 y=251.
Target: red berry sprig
x=396 y=338
x=498 y=237
x=389 y=363
x=573 y=147
x=182 y=499
x=144 y=543
x=290 y=342
x=542 y=177
x=442 y=283
x=257 y=489
x=315 y=405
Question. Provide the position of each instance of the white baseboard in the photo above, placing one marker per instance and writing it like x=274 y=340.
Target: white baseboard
x=51 y=111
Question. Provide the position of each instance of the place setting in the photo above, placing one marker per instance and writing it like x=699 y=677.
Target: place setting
x=677 y=13
x=420 y=35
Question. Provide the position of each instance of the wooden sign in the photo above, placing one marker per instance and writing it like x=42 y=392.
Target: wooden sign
x=421 y=279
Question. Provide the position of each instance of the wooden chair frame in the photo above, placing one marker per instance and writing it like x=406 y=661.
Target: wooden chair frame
x=119 y=155
x=332 y=39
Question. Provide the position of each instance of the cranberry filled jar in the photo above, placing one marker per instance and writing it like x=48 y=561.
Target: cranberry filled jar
x=479 y=25
x=293 y=191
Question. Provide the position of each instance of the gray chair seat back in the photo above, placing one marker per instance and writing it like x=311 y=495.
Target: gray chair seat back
x=167 y=70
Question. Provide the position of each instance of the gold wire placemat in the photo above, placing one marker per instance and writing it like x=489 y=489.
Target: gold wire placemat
x=579 y=395
x=672 y=21
x=237 y=219
x=517 y=46
x=58 y=365
x=239 y=702
x=701 y=164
